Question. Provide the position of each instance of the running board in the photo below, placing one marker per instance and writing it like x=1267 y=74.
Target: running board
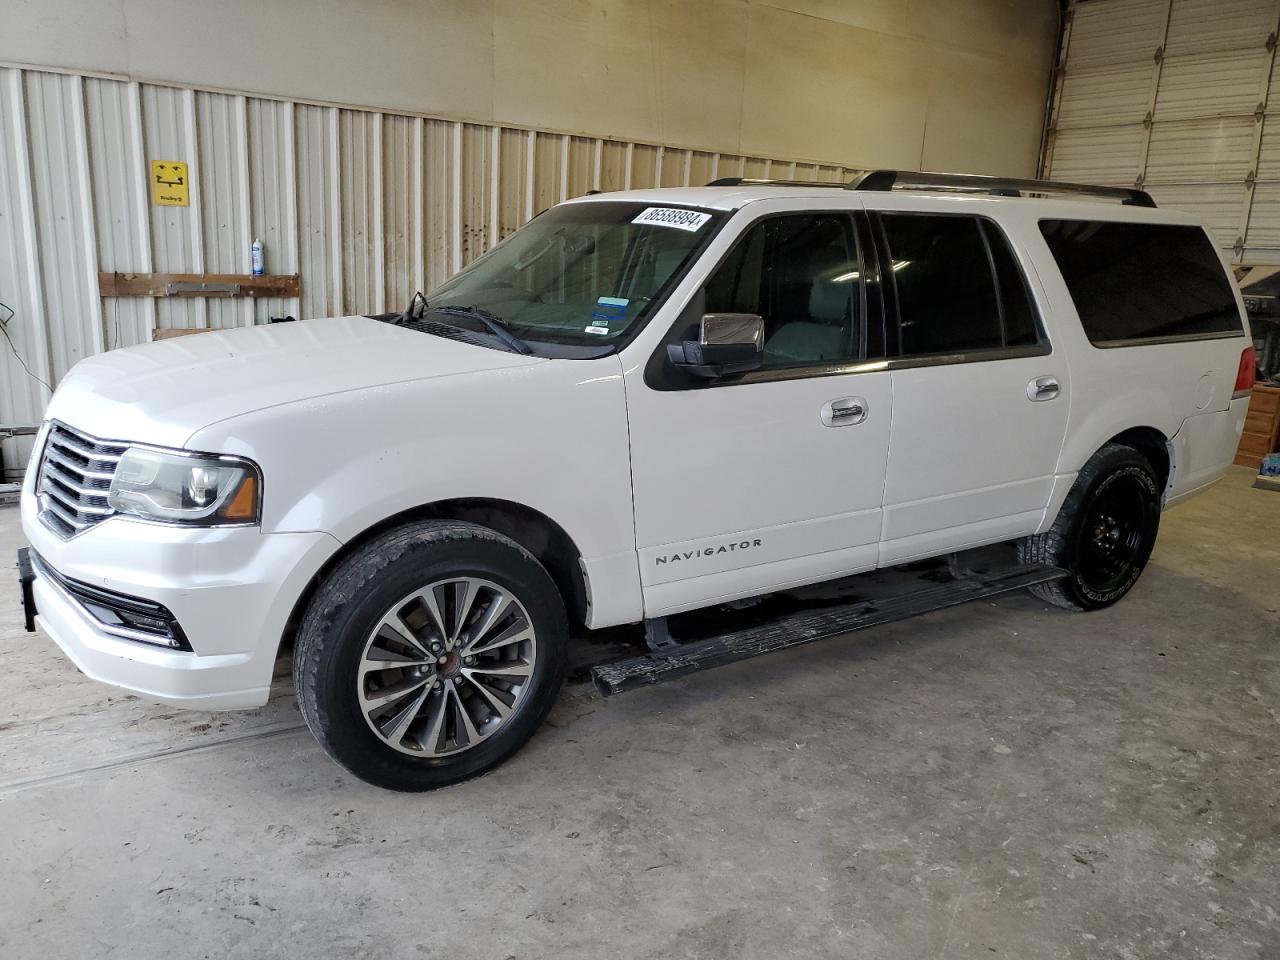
x=619 y=676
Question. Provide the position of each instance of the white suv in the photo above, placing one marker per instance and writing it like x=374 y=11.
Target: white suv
x=641 y=403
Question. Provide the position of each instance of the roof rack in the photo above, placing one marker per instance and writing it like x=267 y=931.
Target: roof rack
x=997 y=186
x=884 y=180
x=749 y=182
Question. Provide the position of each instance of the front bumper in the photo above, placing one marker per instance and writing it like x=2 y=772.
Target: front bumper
x=231 y=589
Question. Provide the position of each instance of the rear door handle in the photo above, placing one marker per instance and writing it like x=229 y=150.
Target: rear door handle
x=844 y=412
x=1043 y=388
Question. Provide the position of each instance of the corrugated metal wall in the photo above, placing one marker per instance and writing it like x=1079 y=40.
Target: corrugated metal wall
x=365 y=206
x=1179 y=97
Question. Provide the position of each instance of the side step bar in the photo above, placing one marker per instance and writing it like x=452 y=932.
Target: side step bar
x=679 y=659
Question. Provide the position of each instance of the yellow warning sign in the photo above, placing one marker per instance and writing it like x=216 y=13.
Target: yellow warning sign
x=169 y=183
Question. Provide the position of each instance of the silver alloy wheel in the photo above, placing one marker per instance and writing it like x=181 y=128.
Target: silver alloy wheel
x=446 y=667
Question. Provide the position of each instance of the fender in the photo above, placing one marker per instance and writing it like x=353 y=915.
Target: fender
x=452 y=438
x=1092 y=426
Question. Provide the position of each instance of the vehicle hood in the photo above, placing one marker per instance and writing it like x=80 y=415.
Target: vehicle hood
x=164 y=392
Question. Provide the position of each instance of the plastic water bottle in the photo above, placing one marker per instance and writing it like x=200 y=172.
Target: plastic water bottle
x=257 y=261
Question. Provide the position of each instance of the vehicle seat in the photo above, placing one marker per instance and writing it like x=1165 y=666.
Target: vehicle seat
x=825 y=335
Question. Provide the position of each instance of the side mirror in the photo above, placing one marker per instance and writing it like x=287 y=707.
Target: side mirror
x=727 y=343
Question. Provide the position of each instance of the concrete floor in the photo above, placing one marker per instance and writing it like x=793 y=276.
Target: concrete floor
x=1000 y=779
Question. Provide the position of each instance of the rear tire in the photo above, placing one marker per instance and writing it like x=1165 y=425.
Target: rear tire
x=1104 y=533
x=430 y=655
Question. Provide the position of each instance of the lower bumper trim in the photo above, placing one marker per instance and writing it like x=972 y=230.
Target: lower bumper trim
x=120 y=615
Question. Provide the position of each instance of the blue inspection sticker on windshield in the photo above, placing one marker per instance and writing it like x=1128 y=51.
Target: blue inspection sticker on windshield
x=610 y=308
x=607 y=309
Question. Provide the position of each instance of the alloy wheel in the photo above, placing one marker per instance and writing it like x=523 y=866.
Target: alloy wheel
x=446 y=667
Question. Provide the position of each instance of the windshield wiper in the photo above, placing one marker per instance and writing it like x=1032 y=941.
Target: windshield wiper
x=492 y=322
x=408 y=313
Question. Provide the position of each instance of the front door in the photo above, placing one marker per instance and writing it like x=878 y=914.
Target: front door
x=772 y=478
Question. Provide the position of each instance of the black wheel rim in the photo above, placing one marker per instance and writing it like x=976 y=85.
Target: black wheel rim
x=1115 y=534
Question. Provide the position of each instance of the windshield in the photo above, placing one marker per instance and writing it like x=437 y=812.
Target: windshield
x=581 y=273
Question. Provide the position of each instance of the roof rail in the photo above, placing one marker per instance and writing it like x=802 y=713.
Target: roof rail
x=997 y=186
x=749 y=182
x=884 y=180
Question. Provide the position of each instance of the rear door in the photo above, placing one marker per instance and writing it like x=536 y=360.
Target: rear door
x=980 y=397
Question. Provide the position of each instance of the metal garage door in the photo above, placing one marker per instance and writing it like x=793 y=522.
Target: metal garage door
x=1179 y=97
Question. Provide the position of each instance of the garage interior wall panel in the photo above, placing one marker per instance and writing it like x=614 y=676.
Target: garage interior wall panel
x=1176 y=96
x=645 y=162
x=222 y=122
x=273 y=199
x=400 y=223
x=22 y=293
x=360 y=196
x=120 y=201
x=476 y=199
x=61 y=197
x=365 y=206
x=549 y=162
x=315 y=183
x=168 y=118
x=438 y=189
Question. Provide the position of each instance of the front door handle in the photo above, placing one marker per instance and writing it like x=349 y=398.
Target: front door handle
x=844 y=412
x=1043 y=388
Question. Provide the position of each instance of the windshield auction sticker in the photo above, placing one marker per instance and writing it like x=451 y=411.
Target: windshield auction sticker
x=690 y=220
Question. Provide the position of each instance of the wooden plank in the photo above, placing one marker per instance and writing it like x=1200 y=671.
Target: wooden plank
x=1248 y=460
x=157 y=284
x=1264 y=399
x=172 y=332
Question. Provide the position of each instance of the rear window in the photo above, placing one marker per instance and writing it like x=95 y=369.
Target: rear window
x=958 y=286
x=1142 y=281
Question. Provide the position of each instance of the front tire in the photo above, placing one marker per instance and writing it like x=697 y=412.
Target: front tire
x=430 y=655
x=1104 y=533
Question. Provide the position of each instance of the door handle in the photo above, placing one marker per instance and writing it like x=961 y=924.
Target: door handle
x=844 y=411
x=1043 y=388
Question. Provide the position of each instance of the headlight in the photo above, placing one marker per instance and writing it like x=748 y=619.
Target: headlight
x=185 y=488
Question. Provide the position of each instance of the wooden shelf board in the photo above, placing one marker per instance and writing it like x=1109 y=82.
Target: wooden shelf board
x=219 y=284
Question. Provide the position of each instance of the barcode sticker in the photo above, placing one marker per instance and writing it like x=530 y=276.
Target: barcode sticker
x=690 y=220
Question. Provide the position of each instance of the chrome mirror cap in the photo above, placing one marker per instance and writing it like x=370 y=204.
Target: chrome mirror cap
x=727 y=344
x=736 y=329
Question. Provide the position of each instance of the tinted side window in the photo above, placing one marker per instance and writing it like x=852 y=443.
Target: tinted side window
x=1015 y=299
x=800 y=273
x=947 y=297
x=1133 y=281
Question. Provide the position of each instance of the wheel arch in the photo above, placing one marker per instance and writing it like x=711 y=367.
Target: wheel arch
x=1150 y=441
x=1155 y=446
x=532 y=529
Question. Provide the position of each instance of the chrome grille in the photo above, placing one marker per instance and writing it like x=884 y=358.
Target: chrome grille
x=75 y=475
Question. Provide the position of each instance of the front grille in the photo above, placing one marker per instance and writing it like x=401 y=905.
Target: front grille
x=130 y=618
x=75 y=475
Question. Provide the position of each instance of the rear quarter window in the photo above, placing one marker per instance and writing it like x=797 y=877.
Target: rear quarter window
x=1140 y=281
